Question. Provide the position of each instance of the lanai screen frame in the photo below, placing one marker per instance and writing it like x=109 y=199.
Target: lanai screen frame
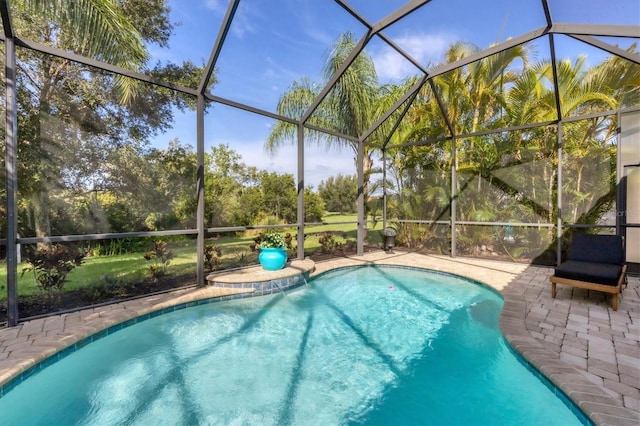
x=582 y=32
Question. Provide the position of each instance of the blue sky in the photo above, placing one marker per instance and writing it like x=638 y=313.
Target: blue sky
x=273 y=43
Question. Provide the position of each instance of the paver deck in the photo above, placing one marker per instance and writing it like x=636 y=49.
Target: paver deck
x=584 y=347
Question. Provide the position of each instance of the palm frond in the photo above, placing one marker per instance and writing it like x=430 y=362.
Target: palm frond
x=100 y=30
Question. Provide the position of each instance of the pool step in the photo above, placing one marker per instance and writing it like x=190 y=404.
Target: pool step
x=295 y=273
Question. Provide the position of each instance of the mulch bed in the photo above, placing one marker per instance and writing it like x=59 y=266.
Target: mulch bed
x=39 y=304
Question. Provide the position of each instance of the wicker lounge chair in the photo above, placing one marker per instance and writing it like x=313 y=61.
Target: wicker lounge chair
x=596 y=262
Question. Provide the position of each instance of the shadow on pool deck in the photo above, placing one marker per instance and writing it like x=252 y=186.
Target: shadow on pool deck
x=584 y=347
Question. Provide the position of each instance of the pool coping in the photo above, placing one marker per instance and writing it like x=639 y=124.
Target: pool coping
x=591 y=398
x=26 y=346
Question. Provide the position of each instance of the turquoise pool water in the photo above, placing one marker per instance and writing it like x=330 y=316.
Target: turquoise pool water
x=371 y=345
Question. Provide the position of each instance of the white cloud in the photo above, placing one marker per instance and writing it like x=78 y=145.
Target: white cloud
x=424 y=48
x=216 y=5
x=241 y=23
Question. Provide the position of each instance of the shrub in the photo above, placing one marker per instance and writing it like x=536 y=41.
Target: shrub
x=107 y=287
x=161 y=256
x=212 y=257
x=51 y=265
x=328 y=243
x=240 y=260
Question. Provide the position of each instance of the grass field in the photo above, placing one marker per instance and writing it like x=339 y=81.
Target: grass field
x=132 y=267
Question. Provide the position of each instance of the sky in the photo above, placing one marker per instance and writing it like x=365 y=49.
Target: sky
x=273 y=43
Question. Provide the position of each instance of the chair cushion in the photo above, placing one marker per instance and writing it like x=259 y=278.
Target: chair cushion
x=597 y=248
x=600 y=273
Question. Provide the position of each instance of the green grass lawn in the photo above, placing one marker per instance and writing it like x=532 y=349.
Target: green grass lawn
x=133 y=267
x=349 y=228
x=129 y=267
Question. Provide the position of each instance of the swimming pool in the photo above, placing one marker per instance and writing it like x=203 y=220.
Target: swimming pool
x=370 y=345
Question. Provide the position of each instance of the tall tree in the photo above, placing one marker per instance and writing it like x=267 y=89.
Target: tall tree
x=71 y=117
x=339 y=193
x=226 y=178
x=474 y=98
x=348 y=108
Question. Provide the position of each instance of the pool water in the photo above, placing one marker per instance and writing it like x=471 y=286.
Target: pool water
x=369 y=345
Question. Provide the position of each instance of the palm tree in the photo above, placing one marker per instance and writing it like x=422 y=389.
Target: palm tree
x=475 y=99
x=609 y=85
x=347 y=109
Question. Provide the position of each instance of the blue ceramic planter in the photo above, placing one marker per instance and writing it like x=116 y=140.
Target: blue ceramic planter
x=272 y=259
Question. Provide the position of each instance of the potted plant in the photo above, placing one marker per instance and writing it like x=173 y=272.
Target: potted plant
x=389 y=236
x=273 y=255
